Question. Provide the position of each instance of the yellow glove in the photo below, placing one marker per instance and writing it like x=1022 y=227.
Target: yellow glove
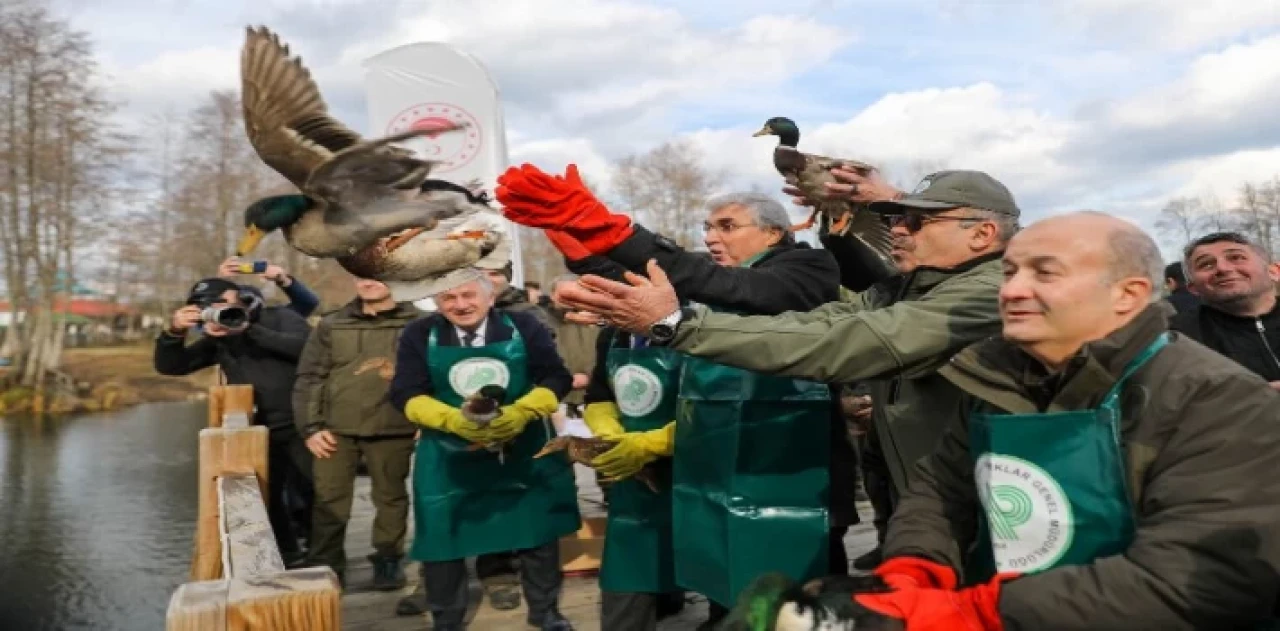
x=438 y=415
x=539 y=403
x=634 y=451
x=602 y=418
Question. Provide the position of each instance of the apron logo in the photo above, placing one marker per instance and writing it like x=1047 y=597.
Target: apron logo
x=638 y=390
x=1028 y=514
x=469 y=375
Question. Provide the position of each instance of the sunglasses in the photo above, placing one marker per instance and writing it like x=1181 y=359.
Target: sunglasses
x=913 y=222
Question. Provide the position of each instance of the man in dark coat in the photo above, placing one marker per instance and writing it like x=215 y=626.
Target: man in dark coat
x=466 y=502
x=1175 y=281
x=1239 y=317
x=262 y=352
x=755 y=266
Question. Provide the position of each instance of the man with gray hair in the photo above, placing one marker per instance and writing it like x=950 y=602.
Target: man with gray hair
x=947 y=240
x=466 y=364
x=1236 y=281
x=750 y=463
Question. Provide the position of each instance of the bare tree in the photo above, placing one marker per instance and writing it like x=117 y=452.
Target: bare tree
x=665 y=189
x=1180 y=219
x=59 y=160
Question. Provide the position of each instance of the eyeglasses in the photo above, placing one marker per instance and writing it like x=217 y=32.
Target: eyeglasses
x=913 y=222
x=724 y=227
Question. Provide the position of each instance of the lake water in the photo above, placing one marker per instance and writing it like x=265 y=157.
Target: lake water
x=97 y=516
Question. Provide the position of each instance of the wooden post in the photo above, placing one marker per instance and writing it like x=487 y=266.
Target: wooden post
x=224 y=400
x=307 y=599
x=223 y=451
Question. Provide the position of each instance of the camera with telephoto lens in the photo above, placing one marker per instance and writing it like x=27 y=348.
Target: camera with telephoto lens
x=230 y=316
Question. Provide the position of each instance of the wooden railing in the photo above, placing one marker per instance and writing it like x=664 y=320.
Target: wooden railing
x=238 y=579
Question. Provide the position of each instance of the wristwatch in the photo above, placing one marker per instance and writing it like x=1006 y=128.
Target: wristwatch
x=664 y=330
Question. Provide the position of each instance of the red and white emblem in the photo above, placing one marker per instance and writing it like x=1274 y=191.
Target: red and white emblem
x=454 y=149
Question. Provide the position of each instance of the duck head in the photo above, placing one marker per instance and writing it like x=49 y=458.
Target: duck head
x=269 y=214
x=784 y=128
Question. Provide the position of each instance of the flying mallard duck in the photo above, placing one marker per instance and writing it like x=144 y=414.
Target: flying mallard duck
x=774 y=602
x=412 y=262
x=353 y=191
x=867 y=252
x=584 y=450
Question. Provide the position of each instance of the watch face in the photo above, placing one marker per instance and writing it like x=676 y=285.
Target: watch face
x=661 y=331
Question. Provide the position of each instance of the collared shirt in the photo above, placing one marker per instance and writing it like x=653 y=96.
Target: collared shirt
x=479 y=334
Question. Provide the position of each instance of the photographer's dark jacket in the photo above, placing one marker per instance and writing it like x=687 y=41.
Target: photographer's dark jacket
x=265 y=356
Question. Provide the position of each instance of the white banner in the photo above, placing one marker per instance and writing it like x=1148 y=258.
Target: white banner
x=428 y=85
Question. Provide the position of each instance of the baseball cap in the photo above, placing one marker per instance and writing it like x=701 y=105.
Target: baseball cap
x=210 y=290
x=945 y=190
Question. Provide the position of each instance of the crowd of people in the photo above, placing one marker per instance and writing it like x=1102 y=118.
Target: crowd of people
x=1055 y=429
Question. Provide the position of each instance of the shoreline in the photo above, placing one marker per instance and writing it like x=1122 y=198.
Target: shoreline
x=109 y=378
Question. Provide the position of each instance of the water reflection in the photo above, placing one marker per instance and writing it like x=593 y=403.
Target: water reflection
x=97 y=515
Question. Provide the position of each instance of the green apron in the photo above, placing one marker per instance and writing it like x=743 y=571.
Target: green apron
x=638 y=553
x=467 y=503
x=1053 y=486
x=751 y=478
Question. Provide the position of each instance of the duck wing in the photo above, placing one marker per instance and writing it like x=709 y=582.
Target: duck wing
x=285 y=116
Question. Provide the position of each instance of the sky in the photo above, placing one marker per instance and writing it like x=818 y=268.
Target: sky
x=1113 y=105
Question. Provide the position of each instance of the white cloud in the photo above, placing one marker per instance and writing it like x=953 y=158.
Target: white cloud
x=1170 y=24
x=1124 y=104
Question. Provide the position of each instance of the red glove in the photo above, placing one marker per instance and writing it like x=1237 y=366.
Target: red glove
x=931 y=609
x=903 y=572
x=532 y=198
x=568 y=246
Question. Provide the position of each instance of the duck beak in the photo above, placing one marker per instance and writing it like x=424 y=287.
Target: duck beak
x=764 y=131
x=249 y=241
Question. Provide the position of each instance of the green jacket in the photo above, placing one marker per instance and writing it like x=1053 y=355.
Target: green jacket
x=577 y=346
x=515 y=299
x=1201 y=443
x=345 y=372
x=894 y=336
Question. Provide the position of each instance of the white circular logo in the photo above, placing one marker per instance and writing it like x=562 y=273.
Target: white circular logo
x=454 y=149
x=637 y=389
x=1028 y=515
x=469 y=375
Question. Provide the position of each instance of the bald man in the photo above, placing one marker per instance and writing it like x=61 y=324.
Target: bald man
x=1101 y=472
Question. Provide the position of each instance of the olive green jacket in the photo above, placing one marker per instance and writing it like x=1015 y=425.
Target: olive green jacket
x=345 y=372
x=577 y=345
x=894 y=336
x=1202 y=446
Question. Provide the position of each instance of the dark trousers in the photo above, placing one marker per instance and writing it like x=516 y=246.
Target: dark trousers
x=878 y=483
x=288 y=472
x=837 y=556
x=387 y=458
x=540 y=579
x=496 y=568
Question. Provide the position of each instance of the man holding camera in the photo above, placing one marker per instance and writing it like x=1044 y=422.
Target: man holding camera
x=258 y=346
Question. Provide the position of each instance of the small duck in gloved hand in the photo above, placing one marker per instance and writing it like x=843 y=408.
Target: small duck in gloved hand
x=483 y=407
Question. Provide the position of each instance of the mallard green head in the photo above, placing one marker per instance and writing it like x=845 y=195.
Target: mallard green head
x=782 y=127
x=269 y=214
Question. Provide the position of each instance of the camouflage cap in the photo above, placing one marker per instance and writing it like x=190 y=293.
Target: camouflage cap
x=946 y=190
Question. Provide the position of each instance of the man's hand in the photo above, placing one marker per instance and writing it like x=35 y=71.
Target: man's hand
x=858 y=410
x=632 y=308
x=580 y=381
x=185 y=318
x=229 y=267
x=322 y=444
x=277 y=275
x=860 y=186
x=1275 y=385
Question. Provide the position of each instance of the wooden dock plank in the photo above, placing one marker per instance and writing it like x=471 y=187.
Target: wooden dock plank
x=367 y=610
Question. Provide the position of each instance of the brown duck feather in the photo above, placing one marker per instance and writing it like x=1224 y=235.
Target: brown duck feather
x=584 y=450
